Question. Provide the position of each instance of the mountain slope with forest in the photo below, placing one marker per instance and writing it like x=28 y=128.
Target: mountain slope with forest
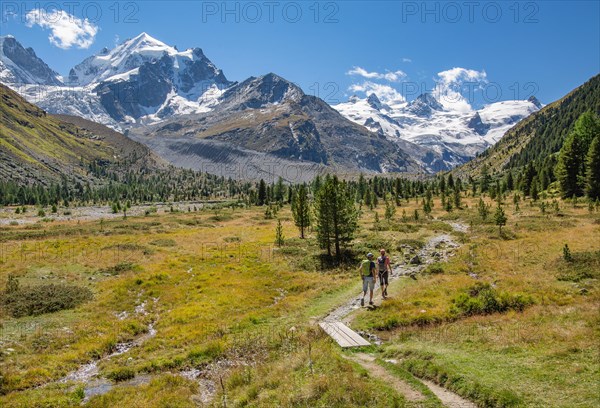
x=38 y=147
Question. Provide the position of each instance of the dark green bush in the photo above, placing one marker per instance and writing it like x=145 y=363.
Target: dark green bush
x=121 y=374
x=405 y=227
x=127 y=246
x=371 y=243
x=163 y=243
x=434 y=268
x=482 y=299
x=579 y=266
x=118 y=268
x=36 y=300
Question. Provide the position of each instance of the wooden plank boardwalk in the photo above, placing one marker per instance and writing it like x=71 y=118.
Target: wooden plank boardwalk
x=343 y=335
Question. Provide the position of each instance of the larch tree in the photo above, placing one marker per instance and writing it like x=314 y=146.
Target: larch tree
x=592 y=187
x=301 y=209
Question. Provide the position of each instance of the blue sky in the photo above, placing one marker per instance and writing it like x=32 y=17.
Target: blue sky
x=511 y=49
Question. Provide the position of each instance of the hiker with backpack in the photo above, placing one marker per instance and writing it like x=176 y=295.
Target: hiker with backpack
x=385 y=269
x=368 y=275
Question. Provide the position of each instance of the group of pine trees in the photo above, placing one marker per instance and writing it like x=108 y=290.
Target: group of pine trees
x=578 y=169
x=169 y=185
x=575 y=168
x=331 y=207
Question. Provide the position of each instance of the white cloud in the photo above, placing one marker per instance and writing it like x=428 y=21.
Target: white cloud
x=453 y=84
x=66 y=30
x=392 y=76
x=385 y=93
x=406 y=59
x=458 y=74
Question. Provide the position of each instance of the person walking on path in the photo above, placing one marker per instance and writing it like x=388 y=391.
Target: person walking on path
x=384 y=269
x=368 y=275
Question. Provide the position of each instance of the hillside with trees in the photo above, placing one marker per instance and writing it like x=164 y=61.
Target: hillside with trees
x=536 y=140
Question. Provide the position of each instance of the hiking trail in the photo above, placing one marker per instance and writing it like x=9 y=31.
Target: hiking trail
x=438 y=249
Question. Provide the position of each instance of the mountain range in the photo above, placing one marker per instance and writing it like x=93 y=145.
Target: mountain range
x=182 y=106
x=446 y=137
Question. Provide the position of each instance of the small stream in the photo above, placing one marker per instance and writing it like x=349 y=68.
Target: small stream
x=438 y=248
x=88 y=373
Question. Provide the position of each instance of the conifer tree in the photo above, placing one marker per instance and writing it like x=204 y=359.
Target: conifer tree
x=570 y=165
x=376 y=222
x=279 y=238
x=262 y=193
x=592 y=187
x=279 y=190
x=500 y=218
x=398 y=191
x=485 y=178
x=390 y=210
x=534 y=190
x=301 y=209
x=457 y=198
x=510 y=183
x=337 y=218
x=483 y=210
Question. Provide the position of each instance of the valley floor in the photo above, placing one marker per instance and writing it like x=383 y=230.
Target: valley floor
x=200 y=308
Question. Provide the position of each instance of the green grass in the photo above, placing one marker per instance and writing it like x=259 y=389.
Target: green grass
x=535 y=355
x=218 y=291
x=203 y=289
x=430 y=399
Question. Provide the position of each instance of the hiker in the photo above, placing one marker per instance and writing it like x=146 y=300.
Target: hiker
x=367 y=273
x=384 y=269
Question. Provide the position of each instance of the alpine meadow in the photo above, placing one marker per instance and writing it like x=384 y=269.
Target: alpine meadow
x=332 y=204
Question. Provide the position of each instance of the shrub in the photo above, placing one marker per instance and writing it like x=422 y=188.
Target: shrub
x=406 y=228
x=220 y=217
x=579 y=266
x=371 y=243
x=482 y=299
x=434 y=268
x=126 y=246
x=567 y=253
x=36 y=300
x=118 y=268
x=440 y=226
x=163 y=243
x=205 y=353
x=121 y=374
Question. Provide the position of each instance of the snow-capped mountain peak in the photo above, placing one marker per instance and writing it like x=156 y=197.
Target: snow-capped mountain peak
x=145 y=41
x=424 y=105
x=20 y=66
x=374 y=102
x=145 y=81
x=535 y=101
x=126 y=56
x=141 y=80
